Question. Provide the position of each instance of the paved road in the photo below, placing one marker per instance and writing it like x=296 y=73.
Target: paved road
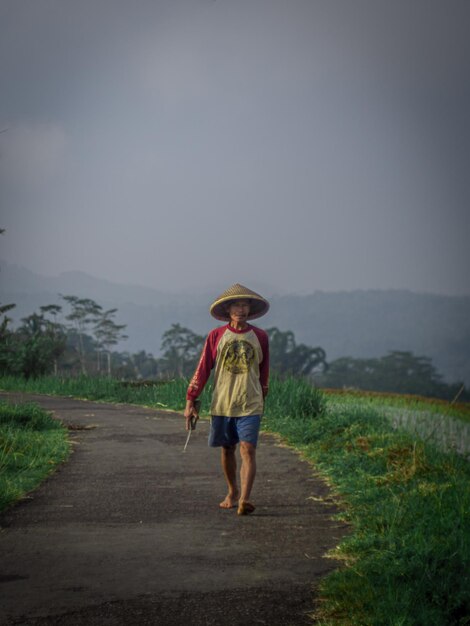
x=128 y=531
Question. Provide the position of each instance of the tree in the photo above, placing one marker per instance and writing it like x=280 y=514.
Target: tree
x=108 y=334
x=6 y=320
x=6 y=339
x=55 y=329
x=70 y=361
x=408 y=373
x=289 y=358
x=39 y=343
x=146 y=364
x=398 y=372
x=281 y=345
x=85 y=313
x=6 y=335
x=42 y=344
x=140 y=366
x=181 y=348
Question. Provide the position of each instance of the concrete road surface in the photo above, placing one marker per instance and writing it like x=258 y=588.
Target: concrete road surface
x=128 y=531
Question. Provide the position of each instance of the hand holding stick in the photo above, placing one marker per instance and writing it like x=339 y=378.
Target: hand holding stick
x=191 y=414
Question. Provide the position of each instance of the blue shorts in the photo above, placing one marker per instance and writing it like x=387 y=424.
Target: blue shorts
x=228 y=431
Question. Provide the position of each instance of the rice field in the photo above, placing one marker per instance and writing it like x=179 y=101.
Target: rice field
x=437 y=422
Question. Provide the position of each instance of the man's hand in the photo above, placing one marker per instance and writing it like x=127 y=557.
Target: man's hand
x=191 y=413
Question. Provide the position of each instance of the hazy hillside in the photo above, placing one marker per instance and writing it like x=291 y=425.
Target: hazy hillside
x=357 y=323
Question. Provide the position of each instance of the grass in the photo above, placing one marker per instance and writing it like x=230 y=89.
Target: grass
x=169 y=395
x=406 y=560
x=32 y=443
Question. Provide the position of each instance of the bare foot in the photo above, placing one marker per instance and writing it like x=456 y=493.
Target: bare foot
x=245 y=507
x=230 y=501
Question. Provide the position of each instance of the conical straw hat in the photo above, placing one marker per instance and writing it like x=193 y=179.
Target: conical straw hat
x=258 y=307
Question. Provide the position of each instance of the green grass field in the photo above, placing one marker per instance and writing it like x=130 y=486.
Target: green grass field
x=32 y=443
x=406 y=560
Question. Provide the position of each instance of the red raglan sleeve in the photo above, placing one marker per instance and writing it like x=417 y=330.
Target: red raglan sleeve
x=264 y=365
x=204 y=367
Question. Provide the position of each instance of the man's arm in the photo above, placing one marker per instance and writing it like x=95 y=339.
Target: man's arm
x=203 y=370
x=201 y=376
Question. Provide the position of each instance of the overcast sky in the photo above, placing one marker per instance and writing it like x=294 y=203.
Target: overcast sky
x=301 y=144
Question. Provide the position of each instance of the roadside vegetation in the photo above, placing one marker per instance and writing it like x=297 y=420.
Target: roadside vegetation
x=32 y=444
x=406 y=560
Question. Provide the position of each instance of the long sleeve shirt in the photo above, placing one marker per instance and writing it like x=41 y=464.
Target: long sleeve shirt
x=240 y=359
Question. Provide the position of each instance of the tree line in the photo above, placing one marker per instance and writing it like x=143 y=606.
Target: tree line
x=80 y=338
x=397 y=372
x=44 y=344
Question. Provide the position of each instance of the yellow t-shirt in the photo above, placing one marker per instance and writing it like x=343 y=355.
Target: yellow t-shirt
x=241 y=367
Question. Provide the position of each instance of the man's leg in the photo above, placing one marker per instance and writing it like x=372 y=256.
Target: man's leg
x=248 y=431
x=247 y=474
x=224 y=434
x=229 y=466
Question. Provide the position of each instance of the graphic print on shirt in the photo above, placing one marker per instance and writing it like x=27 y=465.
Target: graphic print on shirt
x=238 y=356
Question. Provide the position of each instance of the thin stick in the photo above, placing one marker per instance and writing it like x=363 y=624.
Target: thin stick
x=458 y=394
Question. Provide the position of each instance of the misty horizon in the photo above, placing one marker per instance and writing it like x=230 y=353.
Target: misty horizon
x=206 y=288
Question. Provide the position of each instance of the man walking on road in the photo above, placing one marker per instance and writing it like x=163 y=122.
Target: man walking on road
x=239 y=352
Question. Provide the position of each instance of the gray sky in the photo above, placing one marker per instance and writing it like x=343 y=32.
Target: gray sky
x=302 y=144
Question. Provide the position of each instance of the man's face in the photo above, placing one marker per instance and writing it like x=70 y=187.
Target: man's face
x=239 y=310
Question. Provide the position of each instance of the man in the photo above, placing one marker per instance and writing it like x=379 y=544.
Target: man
x=239 y=354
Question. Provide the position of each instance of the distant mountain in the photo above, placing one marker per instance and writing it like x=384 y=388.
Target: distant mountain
x=15 y=279
x=357 y=323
